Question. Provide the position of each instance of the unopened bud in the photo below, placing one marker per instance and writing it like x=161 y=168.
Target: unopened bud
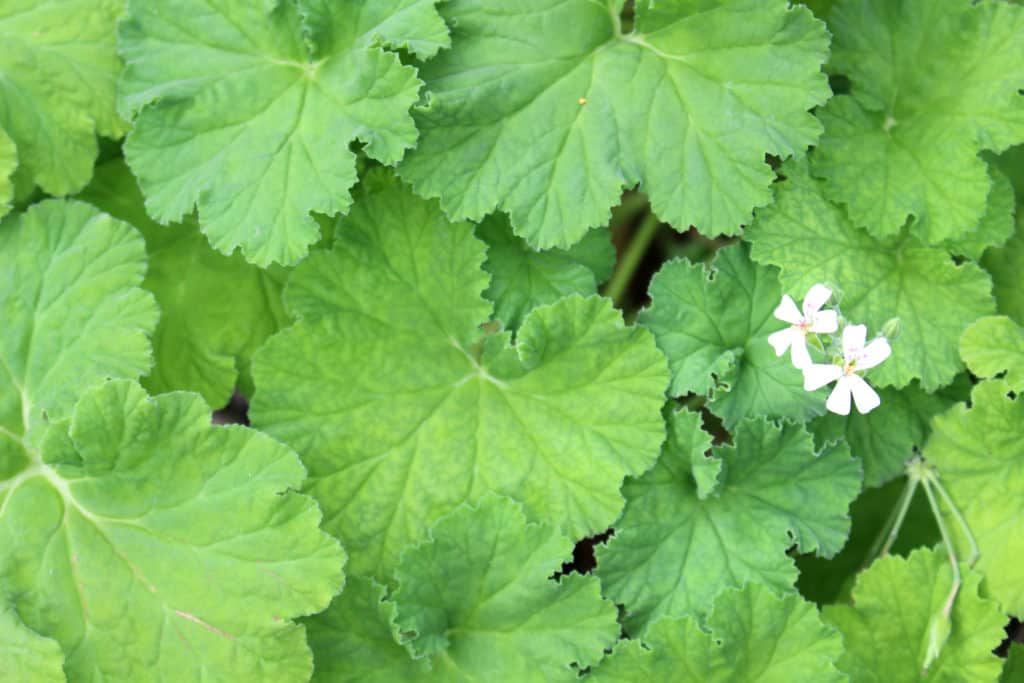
x=892 y=328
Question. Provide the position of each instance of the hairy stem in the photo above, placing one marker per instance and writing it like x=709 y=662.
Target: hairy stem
x=631 y=259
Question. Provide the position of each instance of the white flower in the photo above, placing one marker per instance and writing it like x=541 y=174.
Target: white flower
x=856 y=357
x=813 y=319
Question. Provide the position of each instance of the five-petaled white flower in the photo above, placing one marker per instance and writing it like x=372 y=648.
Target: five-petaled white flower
x=813 y=319
x=857 y=356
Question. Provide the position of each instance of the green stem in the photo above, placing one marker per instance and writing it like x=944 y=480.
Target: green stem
x=955 y=511
x=950 y=550
x=892 y=527
x=631 y=259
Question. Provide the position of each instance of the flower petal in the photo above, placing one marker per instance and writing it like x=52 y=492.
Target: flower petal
x=798 y=354
x=864 y=396
x=788 y=311
x=874 y=353
x=818 y=375
x=781 y=340
x=853 y=341
x=825 y=322
x=839 y=400
x=816 y=298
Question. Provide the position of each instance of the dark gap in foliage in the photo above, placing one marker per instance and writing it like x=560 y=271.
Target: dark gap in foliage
x=1014 y=634
x=235 y=412
x=583 y=558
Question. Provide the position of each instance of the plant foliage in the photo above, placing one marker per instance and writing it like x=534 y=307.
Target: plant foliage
x=524 y=315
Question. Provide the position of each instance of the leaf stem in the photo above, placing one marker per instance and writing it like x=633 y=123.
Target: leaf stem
x=631 y=259
x=892 y=527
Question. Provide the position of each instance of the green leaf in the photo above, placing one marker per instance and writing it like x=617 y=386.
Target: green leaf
x=933 y=83
x=548 y=112
x=995 y=345
x=403 y=408
x=523 y=278
x=58 y=75
x=811 y=240
x=751 y=635
x=884 y=439
x=886 y=628
x=713 y=324
x=477 y=599
x=1013 y=670
x=997 y=223
x=216 y=310
x=28 y=656
x=672 y=552
x=252 y=111
x=979 y=451
x=1005 y=264
x=73 y=315
x=687 y=438
x=8 y=162
x=829 y=580
x=153 y=545
x=353 y=640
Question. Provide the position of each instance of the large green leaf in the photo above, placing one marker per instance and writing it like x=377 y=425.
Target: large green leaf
x=979 y=451
x=886 y=438
x=154 y=546
x=995 y=345
x=713 y=324
x=253 y=106
x=58 y=75
x=935 y=299
x=673 y=552
x=478 y=600
x=751 y=635
x=215 y=310
x=523 y=278
x=933 y=83
x=887 y=629
x=474 y=603
x=1006 y=264
x=26 y=655
x=73 y=315
x=547 y=111
x=353 y=641
x=8 y=162
x=402 y=407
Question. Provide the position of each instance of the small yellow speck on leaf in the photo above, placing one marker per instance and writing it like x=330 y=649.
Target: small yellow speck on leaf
x=583 y=100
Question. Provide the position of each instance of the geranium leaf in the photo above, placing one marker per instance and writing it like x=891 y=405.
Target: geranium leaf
x=751 y=635
x=215 y=310
x=523 y=278
x=905 y=142
x=402 y=407
x=314 y=79
x=812 y=241
x=979 y=452
x=8 y=162
x=996 y=225
x=58 y=75
x=477 y=598
x=353 y=640
x=886 y=629
x=672 y=552
x=884 y=439
x=151 y=544
x=28 y=656
x=1005 y=264
x=73 y=315
x=547 y=112
x=713 y=324
x=995 y=345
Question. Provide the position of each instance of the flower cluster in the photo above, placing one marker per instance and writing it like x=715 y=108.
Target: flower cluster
x=855 y=355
